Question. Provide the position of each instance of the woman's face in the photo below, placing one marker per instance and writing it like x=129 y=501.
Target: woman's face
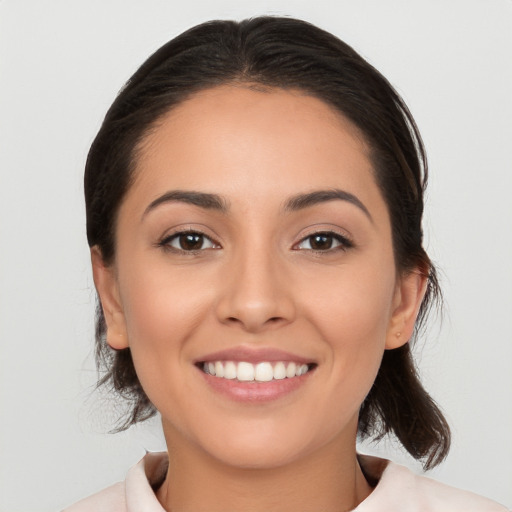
x=255 y=244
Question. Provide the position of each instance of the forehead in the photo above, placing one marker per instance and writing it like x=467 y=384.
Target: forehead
x=235 y=139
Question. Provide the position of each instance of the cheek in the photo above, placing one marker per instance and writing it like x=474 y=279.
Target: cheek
x=162 y=313
x=353 y=328
x=353 y=302
x=159 y=302
x=353 y=320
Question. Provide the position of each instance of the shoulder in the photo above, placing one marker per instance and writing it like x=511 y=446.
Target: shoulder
x=399 y=489
x=134 y=494
x=111 y=499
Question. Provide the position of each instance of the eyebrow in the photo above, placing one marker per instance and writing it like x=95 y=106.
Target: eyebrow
x=210 y=201
x=302 y=201
x=201 y=199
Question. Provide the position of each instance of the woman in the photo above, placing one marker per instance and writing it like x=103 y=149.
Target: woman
x=254 y=204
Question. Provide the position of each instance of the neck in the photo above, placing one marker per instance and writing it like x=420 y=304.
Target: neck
x=329 y=480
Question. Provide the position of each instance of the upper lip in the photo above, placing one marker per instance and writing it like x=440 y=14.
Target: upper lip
x=253 y=355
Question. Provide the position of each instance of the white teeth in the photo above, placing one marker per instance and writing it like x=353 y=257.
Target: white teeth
x=219 y=369
x=230 y=370
x=279 y=371
x=290 y=370
x=261 y=372
x=245 y=371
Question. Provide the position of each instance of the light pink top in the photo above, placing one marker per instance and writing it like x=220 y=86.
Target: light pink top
x=398 y=490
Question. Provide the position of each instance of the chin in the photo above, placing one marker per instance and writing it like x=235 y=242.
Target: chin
x=257 y=447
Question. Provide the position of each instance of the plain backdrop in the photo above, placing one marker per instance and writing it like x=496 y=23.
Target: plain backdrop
x=62 y=63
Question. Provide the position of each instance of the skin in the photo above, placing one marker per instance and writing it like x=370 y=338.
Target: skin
x=257 y=283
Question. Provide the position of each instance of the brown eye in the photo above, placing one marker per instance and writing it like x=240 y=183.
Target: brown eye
x=321 y=242
x=324 y=242
x=189 y=241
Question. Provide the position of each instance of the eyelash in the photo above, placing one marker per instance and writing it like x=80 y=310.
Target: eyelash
x=165 y=243
x=344 y=243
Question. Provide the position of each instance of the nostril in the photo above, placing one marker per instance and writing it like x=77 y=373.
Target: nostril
x=271 y=319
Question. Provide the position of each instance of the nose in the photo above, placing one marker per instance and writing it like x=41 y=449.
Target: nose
x=256 y=292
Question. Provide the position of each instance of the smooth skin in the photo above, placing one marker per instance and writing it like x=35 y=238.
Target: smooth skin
x=256 y=269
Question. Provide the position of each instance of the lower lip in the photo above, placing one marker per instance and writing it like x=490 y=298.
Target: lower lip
x=255 y=391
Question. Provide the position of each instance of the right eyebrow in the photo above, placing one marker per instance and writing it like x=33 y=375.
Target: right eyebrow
x=201 y=199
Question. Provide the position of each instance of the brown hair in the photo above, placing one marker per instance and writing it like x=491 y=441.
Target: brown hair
x=278 y=53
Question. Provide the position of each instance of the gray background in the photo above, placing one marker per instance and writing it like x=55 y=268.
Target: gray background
x=61 y=64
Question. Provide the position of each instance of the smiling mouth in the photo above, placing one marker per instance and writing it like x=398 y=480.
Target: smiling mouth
x=264 y=371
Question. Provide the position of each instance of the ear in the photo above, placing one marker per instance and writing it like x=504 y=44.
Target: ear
x=108 y=291
x=409 y=293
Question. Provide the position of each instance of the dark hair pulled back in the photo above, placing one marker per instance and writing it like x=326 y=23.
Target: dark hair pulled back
x=290 y=54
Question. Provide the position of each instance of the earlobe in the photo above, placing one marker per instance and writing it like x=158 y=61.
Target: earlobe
x=106 y=285
x=408 y=297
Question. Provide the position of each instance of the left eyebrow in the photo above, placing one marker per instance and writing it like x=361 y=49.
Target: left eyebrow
x=302 y=201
